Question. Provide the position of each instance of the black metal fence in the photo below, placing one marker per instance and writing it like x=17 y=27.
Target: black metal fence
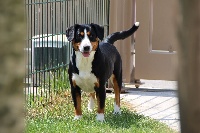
x=47 y=49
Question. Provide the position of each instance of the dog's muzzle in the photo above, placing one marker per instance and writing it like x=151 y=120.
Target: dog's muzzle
x=86 y=51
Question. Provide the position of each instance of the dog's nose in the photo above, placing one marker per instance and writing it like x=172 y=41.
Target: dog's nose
x=86 y=48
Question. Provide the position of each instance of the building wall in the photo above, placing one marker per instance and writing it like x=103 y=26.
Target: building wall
x=122 y=17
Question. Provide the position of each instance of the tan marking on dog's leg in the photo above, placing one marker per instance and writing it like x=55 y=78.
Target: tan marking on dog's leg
x=78 y=111
x=99 y=110
x=74 y=83
x=117 y=94
x=92 y=95
x=116 y=89
x=97 y=83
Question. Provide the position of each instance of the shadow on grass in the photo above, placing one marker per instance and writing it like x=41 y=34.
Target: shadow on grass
x=126 y=119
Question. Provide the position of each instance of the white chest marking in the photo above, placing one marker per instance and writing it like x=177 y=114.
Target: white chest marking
x=85 y=79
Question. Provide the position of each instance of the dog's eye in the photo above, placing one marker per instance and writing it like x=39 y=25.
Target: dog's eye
x=92 y=38
x=80 y=36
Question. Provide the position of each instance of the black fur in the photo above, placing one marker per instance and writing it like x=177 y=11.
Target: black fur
x=121 y=35
x=107 y=60
x=71 y=32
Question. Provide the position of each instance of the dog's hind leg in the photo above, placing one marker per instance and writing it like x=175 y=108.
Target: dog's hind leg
x=117 y=90
x=91 y=103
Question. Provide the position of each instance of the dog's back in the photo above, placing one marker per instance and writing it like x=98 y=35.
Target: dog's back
x=112 y=56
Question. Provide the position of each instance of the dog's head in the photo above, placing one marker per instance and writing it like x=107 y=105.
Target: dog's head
x=85 y=38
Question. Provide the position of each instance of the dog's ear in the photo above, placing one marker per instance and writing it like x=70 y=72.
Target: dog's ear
x=70 y=32
x=99 y=30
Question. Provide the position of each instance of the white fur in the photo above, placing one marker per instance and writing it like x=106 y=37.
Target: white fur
x=100 y=117
x=85 y=42
x=116 y=109
x=85 y=79
x=77 y=117
x=137 y=23
x=91 y=104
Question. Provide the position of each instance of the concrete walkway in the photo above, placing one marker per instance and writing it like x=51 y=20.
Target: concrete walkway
x=156 y=99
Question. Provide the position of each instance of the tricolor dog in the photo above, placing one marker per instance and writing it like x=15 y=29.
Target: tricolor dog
x=93 y=63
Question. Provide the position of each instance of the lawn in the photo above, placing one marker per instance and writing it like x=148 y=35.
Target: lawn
x=57 y=117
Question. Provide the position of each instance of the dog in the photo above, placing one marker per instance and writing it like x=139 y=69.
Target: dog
x=93 y=63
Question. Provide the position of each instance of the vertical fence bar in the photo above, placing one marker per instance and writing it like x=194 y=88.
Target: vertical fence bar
x=48 y=53
x=33 y=45
x=52 y=31
x=48 y=19
x=41 y=21
x=27 y=53
x=29 y=21
x=62 y=51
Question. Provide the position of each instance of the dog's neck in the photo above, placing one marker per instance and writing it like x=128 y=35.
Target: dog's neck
x=84 y=64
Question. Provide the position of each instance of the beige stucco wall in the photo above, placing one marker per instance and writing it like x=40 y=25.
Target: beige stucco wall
x=122 y=16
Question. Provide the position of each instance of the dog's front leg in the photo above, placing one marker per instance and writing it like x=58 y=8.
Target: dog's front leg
x=101 y=96
x=76 y=96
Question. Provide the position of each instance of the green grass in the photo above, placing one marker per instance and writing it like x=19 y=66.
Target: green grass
x=57 y=117
x=54 y=113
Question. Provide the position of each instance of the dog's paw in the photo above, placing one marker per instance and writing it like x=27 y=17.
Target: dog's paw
x=91 y=104
x=116 y=109
x=77 y=117
x=100 y=117
x=117 y=112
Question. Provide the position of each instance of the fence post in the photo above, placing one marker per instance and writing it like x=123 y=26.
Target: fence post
x=189 y=66
x=12 y=35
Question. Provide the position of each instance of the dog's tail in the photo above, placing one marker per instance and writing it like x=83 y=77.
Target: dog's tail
x=122 y=34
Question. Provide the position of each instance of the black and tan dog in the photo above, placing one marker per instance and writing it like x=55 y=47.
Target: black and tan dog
x=93 y=63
